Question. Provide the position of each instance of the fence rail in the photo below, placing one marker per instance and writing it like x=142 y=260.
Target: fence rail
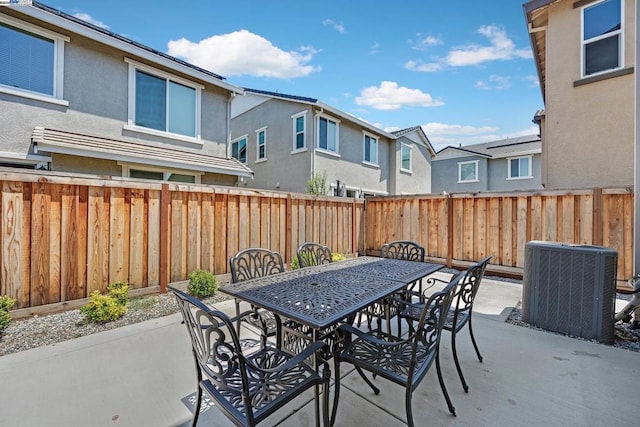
x=64 y=237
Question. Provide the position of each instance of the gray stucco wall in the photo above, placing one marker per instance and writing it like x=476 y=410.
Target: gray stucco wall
x=498 y=170
x=96 y=87
x=419 y=180
x=444 y=176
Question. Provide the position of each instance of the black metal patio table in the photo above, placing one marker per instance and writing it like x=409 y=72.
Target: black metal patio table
x=320 y=297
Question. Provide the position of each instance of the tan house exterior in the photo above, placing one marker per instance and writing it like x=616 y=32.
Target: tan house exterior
x=587 y=126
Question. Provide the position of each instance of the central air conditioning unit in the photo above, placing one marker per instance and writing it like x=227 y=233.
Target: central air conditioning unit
x=570 y=289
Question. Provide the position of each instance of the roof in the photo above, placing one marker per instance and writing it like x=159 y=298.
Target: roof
x=536 y=15
x=58 y=141
x=102 y=35
x=324 y=107
x=417 y=129
x=522 y=145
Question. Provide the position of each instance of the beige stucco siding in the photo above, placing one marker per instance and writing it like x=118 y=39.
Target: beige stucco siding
x=588 y=134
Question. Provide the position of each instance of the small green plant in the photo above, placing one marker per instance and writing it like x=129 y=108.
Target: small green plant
x=202 y=284
x=105 y=308
x=5 y=318
x=338 y=256
x=317 y=185
x=295 y=264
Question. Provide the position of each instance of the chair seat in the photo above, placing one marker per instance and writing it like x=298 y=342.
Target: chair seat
x=392 y=362
x=413 y=312
x=268 y=390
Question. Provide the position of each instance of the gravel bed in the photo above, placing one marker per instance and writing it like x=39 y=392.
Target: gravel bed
x=38 y=331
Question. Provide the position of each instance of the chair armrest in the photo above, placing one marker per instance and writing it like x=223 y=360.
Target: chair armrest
x=366 y=336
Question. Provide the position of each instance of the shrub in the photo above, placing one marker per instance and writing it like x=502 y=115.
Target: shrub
x=202 y=284
x=295 y=264
x=337 y=256
x=5 y=318
x=105 y=308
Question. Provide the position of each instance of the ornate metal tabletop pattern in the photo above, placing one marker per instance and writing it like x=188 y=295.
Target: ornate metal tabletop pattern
x=321 y=296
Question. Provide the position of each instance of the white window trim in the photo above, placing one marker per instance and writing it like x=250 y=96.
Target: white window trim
x=58 y=63
x=246 y=138
x=364 y=137
x=304 y=132
x=583 y=43
x=131 y=126
x=513 y=178
x=126 y=171
x=410 y=170
x=317 y=145
x=460 y=164
x=258 y=158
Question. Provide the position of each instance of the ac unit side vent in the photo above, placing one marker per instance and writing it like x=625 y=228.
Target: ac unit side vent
x=570 y=289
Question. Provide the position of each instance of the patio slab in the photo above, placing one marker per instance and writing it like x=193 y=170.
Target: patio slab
x=143 y=375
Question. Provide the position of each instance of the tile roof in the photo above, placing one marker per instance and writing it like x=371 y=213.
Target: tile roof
x=281 y=95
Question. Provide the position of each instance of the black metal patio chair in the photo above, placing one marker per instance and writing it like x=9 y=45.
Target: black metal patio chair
x=252 y=263
x=460 y=313
x=310 y=254
x=247 y=388
x=387 y=308
x=404 y=361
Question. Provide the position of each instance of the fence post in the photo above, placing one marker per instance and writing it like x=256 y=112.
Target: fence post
x=449 y=231
x=164 y=237
x=287 y=238
x=597 y=217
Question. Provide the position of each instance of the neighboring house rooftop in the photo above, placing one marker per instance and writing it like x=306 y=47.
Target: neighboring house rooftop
x=102 y=35
x=522 y=145
x=418 y=129
x=63 y=142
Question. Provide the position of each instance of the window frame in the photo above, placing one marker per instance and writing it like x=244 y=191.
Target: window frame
x=57 y=68
x=166 y=172
x=477 y=174
x=371 y=137
x=263 y=131
x=294 y=118
x=131 y=123
x=328 y=118
x=404 y=146
x=246 y=148
x=510 y=177
x=584 y=43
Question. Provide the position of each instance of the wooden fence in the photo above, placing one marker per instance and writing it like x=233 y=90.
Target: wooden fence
x=464 y=227
x=63 y=237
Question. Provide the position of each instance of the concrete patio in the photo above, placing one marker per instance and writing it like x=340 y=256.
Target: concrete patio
x=143 y=375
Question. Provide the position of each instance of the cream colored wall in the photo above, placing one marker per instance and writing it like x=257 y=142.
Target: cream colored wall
x=589 y=128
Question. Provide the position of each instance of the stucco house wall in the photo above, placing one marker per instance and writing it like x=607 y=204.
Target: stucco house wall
x=444 y=176
x=498 y=170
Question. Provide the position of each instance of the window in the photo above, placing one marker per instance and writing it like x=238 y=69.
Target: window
x=468 y=171
x=602 y=37
x=261 y=139
x=31 y=61
x=370 y=149
x=299 y=128
x=519 y=167
x=161 y=174
x=327 y=134
x=239 y=149
x=405 y=153
x=163 y=103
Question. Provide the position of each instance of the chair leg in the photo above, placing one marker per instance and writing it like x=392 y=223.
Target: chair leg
x=473 y=340
x=375 y=389
x=407 y=403
x=237 y=314
x=196 y=412
x=455 y=359
x=336 y=392
x=326 y=376
x=452 y=409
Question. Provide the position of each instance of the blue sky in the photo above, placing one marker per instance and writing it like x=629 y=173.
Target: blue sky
x=461 y=69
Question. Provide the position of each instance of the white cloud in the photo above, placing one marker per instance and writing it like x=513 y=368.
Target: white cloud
x=442 y=135
x=375 y=48
x=425 y=42
x=335 y=25
x=500 y=48
x=446 y=129
x=495 y=82
x=244 y=53
x=86 y=17
x=391 y=96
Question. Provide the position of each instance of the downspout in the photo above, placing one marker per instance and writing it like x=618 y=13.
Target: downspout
x=228 y=124
x=636 y=173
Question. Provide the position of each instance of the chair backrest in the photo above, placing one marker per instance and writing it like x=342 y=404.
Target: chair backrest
x=311 y=253
x=255 y=262
x=403 y=249
x=215 y=344
x=426 y=336
x=468 y=286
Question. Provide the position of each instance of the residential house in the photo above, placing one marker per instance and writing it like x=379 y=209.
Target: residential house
x=584 y=52
x=77 y=98
x=285 y=139
x=506 y=165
